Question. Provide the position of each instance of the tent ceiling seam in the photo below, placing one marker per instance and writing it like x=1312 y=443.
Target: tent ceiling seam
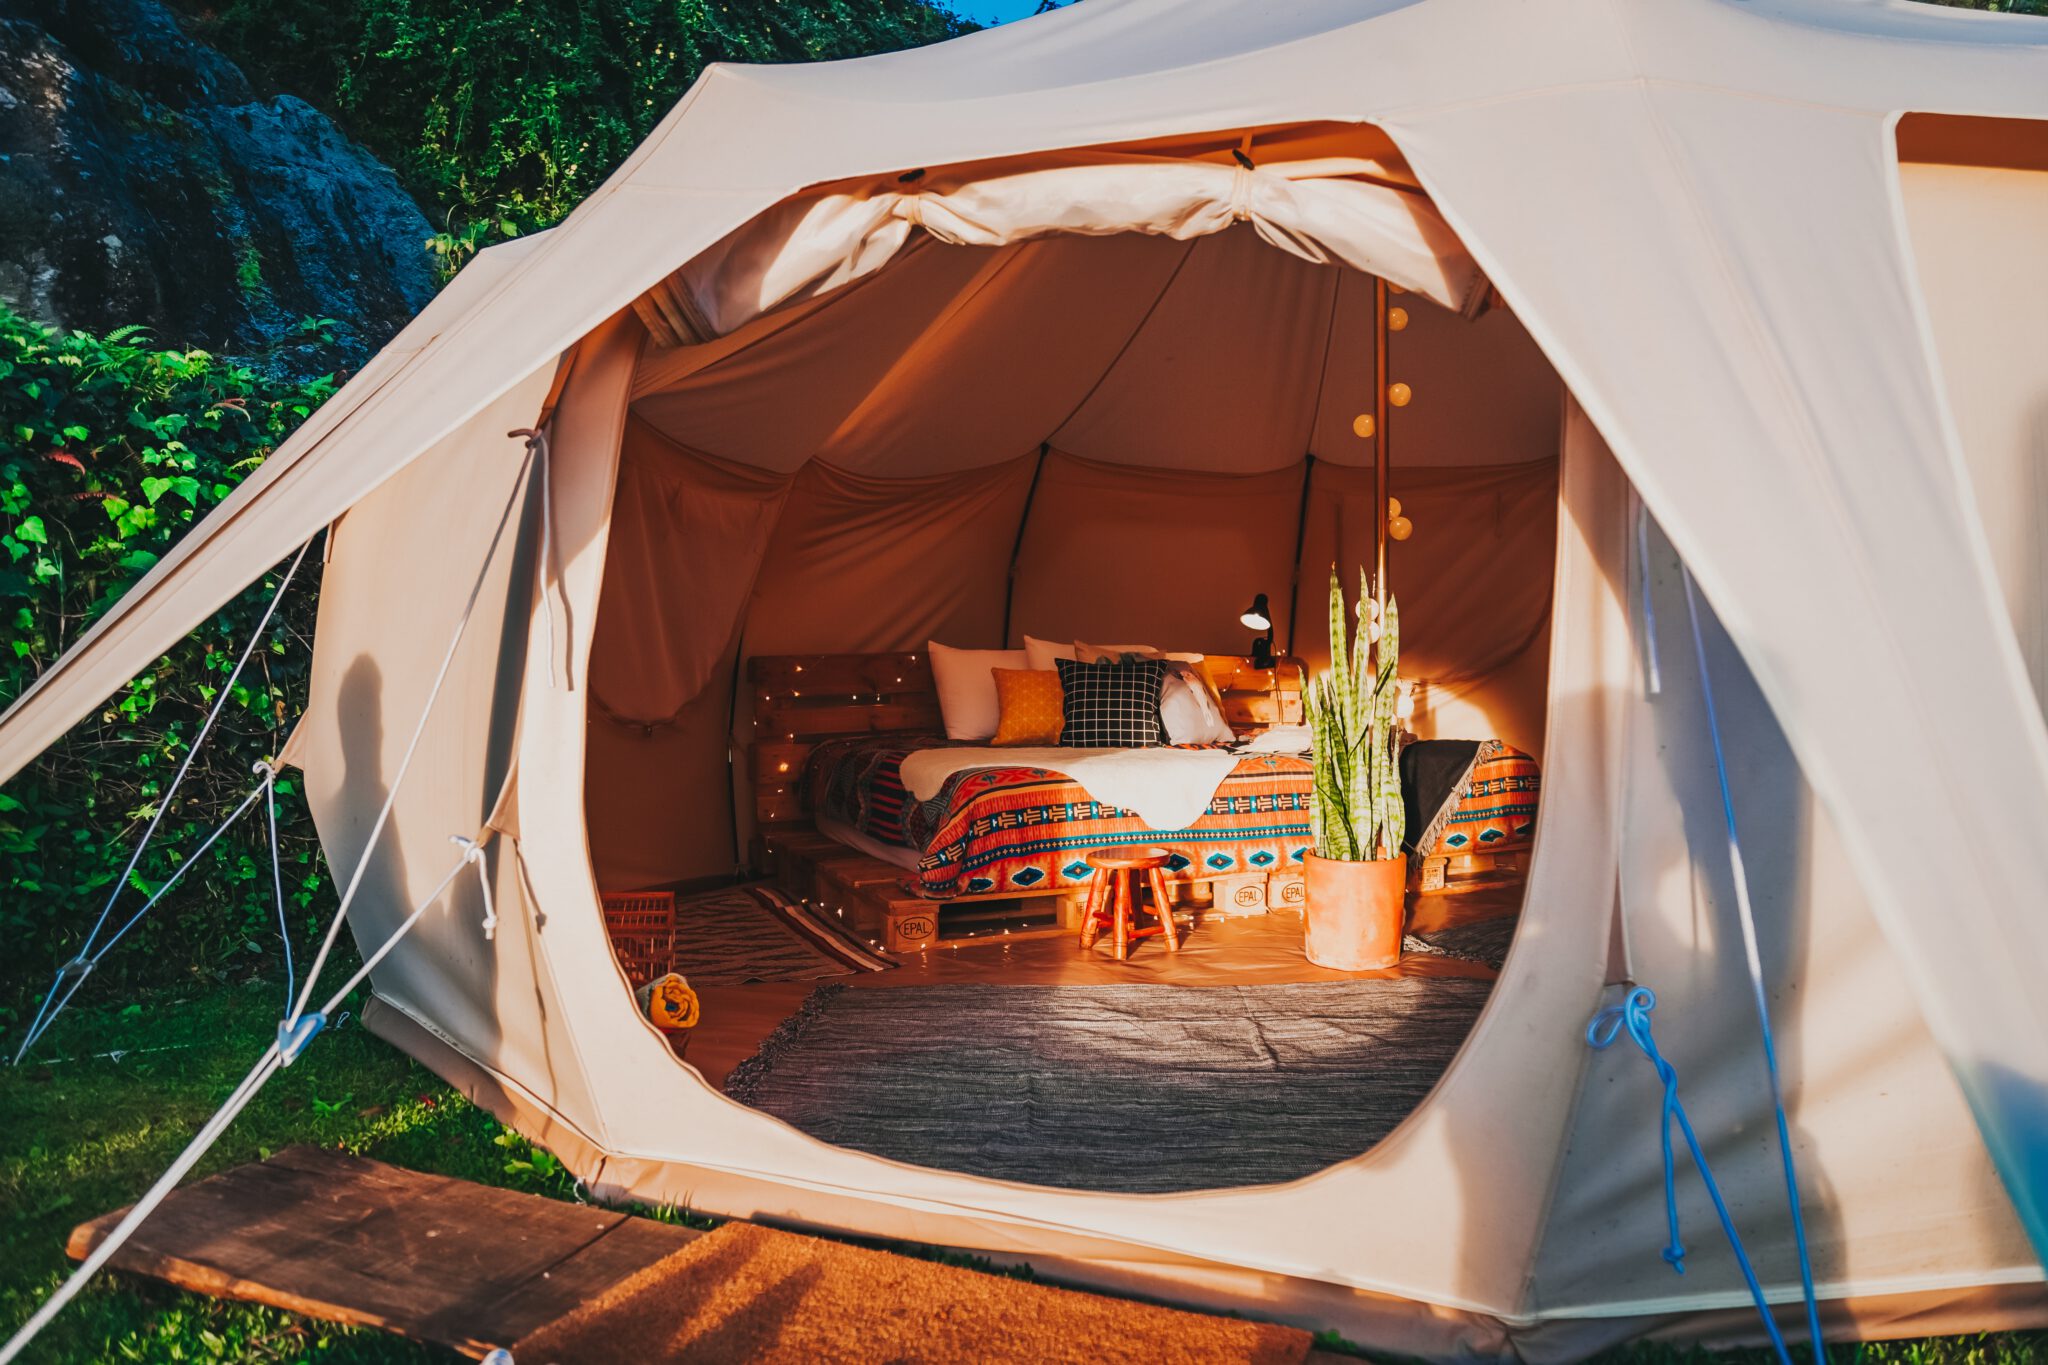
x=1053 y=438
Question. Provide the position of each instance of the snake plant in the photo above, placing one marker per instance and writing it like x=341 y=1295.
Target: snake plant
x=1356 y=813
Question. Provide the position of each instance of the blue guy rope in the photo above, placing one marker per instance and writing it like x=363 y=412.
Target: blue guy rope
x=1632 y=1016
x=1746 y=913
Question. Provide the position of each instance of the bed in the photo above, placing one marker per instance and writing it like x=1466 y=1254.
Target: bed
x=1023 y=830
x=835 y=822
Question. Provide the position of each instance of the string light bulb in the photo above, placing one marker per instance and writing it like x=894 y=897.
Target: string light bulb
x=1364 y=426
x=1397 y=318
x=1400 y=528
x=1399 y=394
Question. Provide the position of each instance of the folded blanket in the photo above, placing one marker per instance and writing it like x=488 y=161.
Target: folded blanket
x=1166 y=788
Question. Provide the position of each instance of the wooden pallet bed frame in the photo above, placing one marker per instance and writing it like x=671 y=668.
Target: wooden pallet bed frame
x=801 y=700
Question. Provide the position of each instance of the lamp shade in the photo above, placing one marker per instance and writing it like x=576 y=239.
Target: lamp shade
x=1258 y=616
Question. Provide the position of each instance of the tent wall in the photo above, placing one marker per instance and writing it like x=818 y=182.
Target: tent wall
x=824 y=560
x=1821 y=502
x=501 y=998
x=1898 y=1191
x=434 y=523
x=1977 y=235
x=1096 y=438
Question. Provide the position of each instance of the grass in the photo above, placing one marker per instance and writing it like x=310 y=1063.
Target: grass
x=113 y=1094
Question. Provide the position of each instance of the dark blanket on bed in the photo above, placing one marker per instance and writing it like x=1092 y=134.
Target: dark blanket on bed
x=1433 y=775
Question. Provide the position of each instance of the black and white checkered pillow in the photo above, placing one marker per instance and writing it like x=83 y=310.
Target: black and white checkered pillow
x=1112 y=706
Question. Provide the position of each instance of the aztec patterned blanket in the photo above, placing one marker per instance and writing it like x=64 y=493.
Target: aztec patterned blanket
x=990 y=830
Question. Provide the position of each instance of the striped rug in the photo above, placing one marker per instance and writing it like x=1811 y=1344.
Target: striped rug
x=1142 y=1089
x=742 y=934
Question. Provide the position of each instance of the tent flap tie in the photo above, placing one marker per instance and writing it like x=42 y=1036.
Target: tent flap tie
x=474 y=855
x=537 y=451
x=1632 y=1015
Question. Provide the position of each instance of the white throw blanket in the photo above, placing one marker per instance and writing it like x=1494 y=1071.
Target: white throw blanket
x=1168 y=789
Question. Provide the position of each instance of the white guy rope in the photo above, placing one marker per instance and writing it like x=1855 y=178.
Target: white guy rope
x=80 y=967
x=266 y=1066
x=412 y=746
x=284 y=928
x=41 y=1024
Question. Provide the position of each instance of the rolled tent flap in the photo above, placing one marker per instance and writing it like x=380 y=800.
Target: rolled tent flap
x=1327 y=209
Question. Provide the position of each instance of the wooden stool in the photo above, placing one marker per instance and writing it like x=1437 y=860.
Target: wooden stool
x=1112 y=899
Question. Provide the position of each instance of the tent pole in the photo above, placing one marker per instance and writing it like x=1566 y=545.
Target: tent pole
x=1381 y=455
x=1017 y=545
x=1308 y=482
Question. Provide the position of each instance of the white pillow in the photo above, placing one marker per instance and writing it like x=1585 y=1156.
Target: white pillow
x=1039 y=654
x=967 y=688
x=1188 y=709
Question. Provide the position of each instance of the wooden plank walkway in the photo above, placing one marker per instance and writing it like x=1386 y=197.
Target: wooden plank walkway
x=351 y=1240
x=465 y=1266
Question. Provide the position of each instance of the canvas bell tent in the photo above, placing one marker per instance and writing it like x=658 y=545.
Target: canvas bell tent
x=1063 y=328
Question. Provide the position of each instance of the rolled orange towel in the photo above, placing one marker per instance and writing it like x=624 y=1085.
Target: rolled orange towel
x=668 y=1002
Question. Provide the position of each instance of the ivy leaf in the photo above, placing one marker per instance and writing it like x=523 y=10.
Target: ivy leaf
x=31 y=531
x=75 y=432
x=155 y=488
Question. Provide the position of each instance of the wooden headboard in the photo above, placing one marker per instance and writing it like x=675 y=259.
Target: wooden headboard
x=801 y=699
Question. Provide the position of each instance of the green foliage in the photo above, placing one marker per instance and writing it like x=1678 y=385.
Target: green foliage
x=110 y=449
x=1357 y=813
x=501 y=117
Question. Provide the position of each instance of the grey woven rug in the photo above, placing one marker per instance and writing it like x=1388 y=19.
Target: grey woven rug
x=1130 y=1088
x=1483 y=941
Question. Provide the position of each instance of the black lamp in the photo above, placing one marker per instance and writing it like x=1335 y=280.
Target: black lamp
x=1259 y=616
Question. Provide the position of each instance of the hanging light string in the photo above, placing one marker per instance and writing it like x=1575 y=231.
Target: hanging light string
x=73 y=973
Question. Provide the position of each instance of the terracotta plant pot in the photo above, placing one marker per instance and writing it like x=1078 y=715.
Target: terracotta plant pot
x=1353 y=912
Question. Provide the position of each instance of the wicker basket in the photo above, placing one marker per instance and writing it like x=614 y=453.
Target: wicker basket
x=642 y=926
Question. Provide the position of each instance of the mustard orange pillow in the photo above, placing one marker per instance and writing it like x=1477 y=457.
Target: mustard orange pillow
x=1031 y=706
